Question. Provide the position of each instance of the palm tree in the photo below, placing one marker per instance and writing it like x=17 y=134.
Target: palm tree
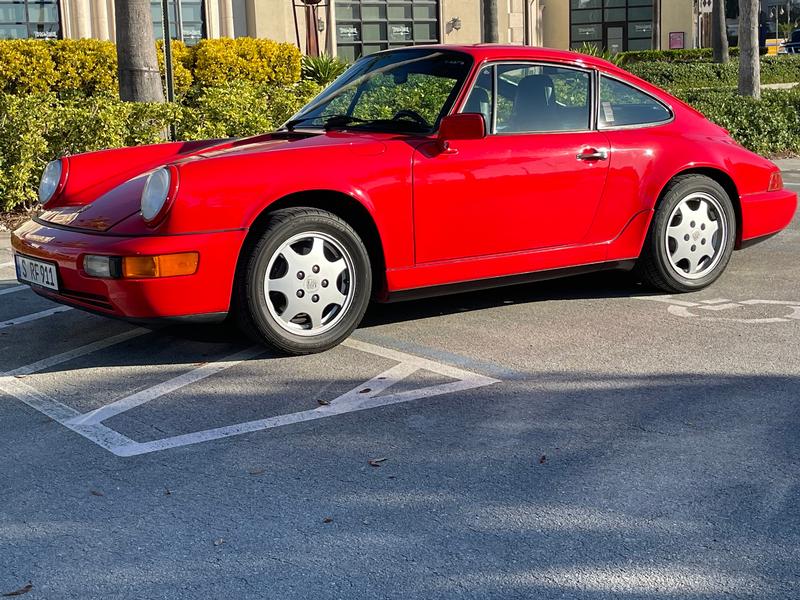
x=139 y=79
x=749 y=56
x=719 y=33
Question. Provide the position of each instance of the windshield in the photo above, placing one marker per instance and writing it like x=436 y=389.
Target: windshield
x=404 y=90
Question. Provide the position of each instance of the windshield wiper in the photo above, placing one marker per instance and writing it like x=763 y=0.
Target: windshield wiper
x=329 y=122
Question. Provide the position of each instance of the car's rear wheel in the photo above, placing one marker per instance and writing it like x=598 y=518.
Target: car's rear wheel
x=305 y=284
x=691 y=238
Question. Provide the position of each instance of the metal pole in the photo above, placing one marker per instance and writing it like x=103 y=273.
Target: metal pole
x=179 y=19
x=167 y=51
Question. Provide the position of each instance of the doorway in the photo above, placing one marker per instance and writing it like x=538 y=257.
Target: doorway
x=614 y=38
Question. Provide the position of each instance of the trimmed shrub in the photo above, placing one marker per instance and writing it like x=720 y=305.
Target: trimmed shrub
x=678 y=76
x=83 y=67
x=220 y=61
x=770 y=126
x=26 y=67
x=242 y=108
x=681 y=56
x=182 y=65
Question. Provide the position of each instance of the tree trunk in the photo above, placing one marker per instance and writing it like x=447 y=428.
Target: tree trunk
x=490 y=27
x=719 y=33
x=657 y=25
x=139 y=79
x=749 y=58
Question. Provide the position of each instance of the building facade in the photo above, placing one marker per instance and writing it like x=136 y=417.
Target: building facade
x=352 y=28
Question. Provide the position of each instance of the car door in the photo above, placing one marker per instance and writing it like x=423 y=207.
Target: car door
x=534 y=182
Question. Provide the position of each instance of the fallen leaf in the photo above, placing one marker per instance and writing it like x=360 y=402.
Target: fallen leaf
x=376 y=462
x=167 y=491
x=96 y=493
x=365 y=390
x=19 y=376
x=23 y=590
x=327 y=520
x=257 y=471
x=543 y=459
x=323 y=402
x=219 y=542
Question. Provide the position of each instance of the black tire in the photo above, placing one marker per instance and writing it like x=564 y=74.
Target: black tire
x=654 y=267
x=250 y=300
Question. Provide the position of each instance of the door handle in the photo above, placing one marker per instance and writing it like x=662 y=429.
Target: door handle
x=592 y=155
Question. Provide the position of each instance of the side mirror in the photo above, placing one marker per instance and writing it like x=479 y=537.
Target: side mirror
x=462 y=126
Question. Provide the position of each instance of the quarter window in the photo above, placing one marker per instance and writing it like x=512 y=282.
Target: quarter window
x=623 y=105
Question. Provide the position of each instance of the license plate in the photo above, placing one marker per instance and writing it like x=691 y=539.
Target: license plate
x=36 y=272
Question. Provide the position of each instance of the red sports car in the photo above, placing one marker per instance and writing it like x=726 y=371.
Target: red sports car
x=420 y=170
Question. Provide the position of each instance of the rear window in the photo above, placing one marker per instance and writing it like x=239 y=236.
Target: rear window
x=622 y=105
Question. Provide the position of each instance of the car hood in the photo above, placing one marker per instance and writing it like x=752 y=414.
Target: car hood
x=116 y=196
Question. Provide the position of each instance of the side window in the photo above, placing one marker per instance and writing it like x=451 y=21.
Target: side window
x=622 y=104
x=480 y=98
x=534 y=98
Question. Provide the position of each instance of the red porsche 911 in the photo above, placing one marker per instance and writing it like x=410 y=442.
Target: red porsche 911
x=419 y=170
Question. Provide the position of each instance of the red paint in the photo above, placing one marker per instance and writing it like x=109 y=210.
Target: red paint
x=471 y=208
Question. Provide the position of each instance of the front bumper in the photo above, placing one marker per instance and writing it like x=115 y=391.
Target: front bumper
x=766 y=213
x=206 y=293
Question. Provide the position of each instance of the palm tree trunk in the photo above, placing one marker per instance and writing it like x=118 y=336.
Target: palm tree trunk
x=490 y=27
x=139 y=79
x=749 y=59
x=719 y=33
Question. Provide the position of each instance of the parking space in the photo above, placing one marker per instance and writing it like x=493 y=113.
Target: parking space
x=577 y=438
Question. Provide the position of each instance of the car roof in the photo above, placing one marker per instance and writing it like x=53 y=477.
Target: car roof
x=482 y=52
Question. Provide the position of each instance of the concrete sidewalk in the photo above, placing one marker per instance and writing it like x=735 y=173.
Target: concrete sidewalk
x=788 y=165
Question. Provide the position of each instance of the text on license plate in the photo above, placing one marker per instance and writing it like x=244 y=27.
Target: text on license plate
x=36 y=272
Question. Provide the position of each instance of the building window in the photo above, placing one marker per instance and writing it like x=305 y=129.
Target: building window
x=192 y=20
x=21 y=19
x=367 y=26
x=614 y=25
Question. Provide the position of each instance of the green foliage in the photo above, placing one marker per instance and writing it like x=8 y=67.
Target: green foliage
x=689 y=55
x=770 y=126
x=322 y=69
x=241 y=108
x=26 y=67
x=182 y=65
x=220 y=61
x=679 y=76
x=595 y=50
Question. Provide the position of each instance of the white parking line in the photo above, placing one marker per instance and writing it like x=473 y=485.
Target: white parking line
x=33 y=317
x=120 y=406
x=12 y=290
x=362 y=397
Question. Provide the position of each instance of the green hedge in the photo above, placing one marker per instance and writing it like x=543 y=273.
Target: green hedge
x=690 y=55
x=72 y=68
x=770 y=126
x=679 y=76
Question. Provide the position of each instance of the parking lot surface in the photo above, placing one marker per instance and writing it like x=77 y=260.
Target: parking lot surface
x=583 y=438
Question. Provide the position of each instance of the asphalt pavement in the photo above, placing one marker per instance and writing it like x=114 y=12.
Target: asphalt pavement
x=582 y=438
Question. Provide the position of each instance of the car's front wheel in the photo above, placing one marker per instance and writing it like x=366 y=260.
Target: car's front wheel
x=691 y=237
x=306 y=282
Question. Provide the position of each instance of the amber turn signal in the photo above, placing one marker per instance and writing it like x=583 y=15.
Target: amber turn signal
x=165 y=265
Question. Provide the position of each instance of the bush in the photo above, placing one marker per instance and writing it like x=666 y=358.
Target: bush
x=242 y=108
x=220 y=61
x=679 y=76
x=182 y=65
x=83 y=67
x=770 y=126
x=26 y=67
x=322 y=69
x=690 y=55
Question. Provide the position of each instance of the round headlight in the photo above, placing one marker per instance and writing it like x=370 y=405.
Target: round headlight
x=155 y=193
x=50 y=180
